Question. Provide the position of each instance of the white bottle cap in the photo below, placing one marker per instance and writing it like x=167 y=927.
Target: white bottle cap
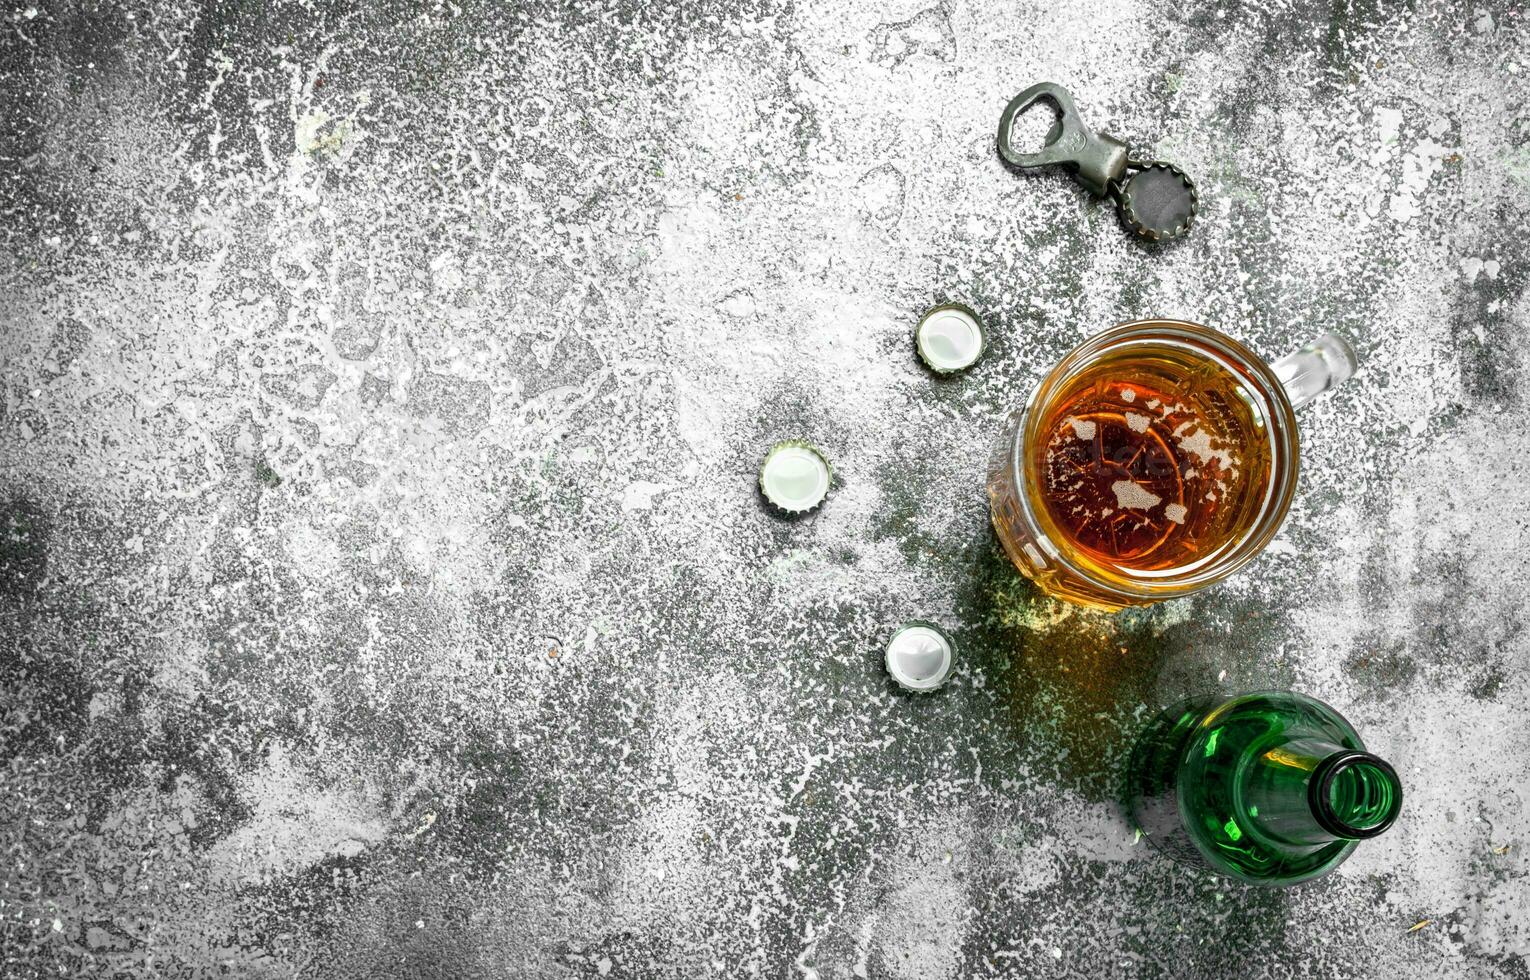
x=795 y=476
x=949 y=339
x=919 y=656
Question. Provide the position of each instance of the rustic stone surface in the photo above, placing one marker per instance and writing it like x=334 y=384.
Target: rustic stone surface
x=383 y=586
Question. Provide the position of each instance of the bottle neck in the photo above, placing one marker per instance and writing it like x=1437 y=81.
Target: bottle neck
x=1312 y=792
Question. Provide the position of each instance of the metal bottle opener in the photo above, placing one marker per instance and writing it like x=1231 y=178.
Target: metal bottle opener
x=1157 y=200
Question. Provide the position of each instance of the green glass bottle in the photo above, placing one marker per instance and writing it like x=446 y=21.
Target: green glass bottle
x=1270 y=787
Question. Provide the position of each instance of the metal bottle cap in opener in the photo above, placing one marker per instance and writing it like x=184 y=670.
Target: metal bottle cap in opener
x=949 y=338
x=919 y=656
x=1156 y=199
x=795 y=476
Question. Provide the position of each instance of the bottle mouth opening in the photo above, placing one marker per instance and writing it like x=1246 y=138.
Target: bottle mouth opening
x=1355 y=795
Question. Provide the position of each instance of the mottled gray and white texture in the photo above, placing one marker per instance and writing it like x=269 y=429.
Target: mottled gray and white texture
x=385 y=592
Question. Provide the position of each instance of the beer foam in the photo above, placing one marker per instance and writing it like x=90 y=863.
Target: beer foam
x=1082 y=428
x=1128 y=395
x=1137 y=423
x=1131 y=496
x=1175 y=513
x=1198 y=442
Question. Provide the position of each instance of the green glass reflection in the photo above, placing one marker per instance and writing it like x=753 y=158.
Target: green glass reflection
x=1364 y=795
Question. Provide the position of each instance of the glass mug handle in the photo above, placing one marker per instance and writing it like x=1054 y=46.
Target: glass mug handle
x=1326 y=363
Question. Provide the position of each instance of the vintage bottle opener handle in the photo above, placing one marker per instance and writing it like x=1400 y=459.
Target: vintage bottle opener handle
x=1097 y=161
x=1157 y=200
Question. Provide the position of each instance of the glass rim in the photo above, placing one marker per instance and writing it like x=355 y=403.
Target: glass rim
x=1284 y=443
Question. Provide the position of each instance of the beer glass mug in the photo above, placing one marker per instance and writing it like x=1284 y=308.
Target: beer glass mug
x=1154 y=460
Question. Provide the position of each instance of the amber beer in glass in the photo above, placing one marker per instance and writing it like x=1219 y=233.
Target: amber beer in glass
x=1154 y=460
